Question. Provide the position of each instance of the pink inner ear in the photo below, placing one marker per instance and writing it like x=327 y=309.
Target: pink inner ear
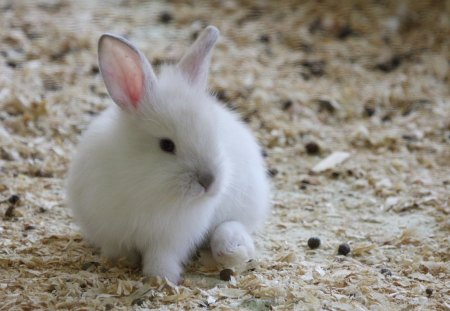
x=123 y=73
x=133 y=79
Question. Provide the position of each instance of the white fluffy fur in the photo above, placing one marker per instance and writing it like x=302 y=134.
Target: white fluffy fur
x=132 y=199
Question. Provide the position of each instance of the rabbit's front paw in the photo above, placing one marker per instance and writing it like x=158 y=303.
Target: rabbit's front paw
x=231 y=244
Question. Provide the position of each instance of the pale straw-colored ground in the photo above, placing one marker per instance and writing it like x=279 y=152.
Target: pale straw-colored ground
x=369 y=78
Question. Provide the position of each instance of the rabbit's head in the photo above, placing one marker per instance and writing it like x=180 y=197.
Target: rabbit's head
x=171 y=122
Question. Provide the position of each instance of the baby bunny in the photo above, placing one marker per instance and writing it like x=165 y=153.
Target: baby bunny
x=168 y=168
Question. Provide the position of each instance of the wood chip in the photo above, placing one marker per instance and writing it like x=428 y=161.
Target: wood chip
x=331 y=161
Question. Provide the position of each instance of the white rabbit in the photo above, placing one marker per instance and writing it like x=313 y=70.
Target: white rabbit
x=169 y=167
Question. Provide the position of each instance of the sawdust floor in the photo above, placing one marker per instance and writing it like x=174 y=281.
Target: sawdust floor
x=367 y=78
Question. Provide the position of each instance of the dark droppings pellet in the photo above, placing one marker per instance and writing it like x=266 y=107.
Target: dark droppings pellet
x=312 y=148
x=287 y=104
x=313 y=243
x=225 y=274
x=429 y=292
x=13 y=199
x=165 y=17
x=386 y=271
x=344 y=249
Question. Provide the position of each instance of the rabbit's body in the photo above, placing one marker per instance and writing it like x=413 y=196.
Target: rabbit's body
x=131 y=198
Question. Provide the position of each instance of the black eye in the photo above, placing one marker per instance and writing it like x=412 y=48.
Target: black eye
x=167 y=145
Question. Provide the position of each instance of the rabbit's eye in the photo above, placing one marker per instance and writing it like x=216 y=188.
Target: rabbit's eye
x=167 y=145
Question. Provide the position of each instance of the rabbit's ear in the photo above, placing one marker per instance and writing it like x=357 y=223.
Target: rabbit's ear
x=195 y=62
x=125 y=70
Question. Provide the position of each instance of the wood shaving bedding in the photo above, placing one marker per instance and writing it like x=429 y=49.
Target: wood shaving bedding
x=369 y=79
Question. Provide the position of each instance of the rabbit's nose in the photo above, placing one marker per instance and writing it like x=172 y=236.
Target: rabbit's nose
x=205 y=180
